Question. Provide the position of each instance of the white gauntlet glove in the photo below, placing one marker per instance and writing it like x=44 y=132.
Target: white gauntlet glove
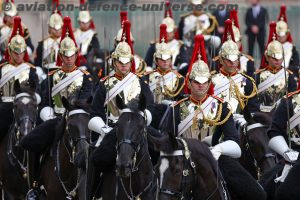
x=227 y=148
x=47 y=113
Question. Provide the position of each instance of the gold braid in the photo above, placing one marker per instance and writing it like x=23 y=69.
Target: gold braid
x=242 y=98
x=173 y=93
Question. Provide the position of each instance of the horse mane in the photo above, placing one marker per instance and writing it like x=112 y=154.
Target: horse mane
x=133 y=105
x=60 y=129
x=80 y=104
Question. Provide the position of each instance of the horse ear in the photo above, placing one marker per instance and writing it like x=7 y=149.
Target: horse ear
x=173 y=140
x=142 y=102
x=161 y=143
x=65 y=103
x=120 y=103
x=17 y=87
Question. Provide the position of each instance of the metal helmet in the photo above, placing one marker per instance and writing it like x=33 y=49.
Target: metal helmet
x=282 y=28
x=200 y=71
x=67 y=45
x=56 y=21
x=196 y=2
x=275 y=49
x=84 y=16
x=162 y=50
x=12 y=11
x=17 y=42
x=229 y=49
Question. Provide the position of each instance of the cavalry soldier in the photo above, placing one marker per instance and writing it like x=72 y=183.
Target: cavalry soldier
x=197 y=115
x=6 y=28
x=86 y=39
x=246 y=61
x=271 y=78
x=236 y=88
x=291 y=56
x=15 y=67
x=47 y=49
x=165 y=83
x=125 y=84
x=69 y=81
x=141 y=65
x=198 y=22
x=284 y=130
x=177 y=48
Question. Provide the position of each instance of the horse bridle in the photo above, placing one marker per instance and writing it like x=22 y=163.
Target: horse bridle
x=268 y=155
x=181 y=194
x=136 y=146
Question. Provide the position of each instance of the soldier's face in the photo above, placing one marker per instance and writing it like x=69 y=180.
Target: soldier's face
x=123 y=68
x=198 y=88
x=55 y=33
x=171 y=35
x=84 y=26
x=230 y=66
x=69 y=61
x=283 y=39
x=18 y=58
x=164 y=64
x=275 y=62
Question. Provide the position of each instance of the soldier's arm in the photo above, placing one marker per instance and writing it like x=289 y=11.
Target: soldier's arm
x=34 y=81
x=228 y=128
x=253 y=103
x=46 y=86
x=87 y=87
x=38 y=58
x=294 y=63
x=149 y=55
x=180 y=28
x=250 y=68
x=292 y=83
x=279 y=119
x=182 y=59
x=98 y=109
x=28 y=40
x=145 y=90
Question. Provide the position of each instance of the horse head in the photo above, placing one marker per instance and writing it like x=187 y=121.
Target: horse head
x=25 y=108
x=131 y=134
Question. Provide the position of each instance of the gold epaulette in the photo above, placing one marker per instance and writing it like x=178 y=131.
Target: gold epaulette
x=31 y=65
x=104 y=78
x=259 y=71
x=52 y=72
x=180 y=101
x=216 y=58
x=148 y=73
x=218 y=98
x=177 y=74
x=2 y=64
x=292 y=93
x=85 y=71
x=248 y=56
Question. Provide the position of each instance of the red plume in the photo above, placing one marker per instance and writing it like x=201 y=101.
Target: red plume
x=67 y=28
x=272 y=32
x=234 y=18
x=55 y=4
x=284 y=16
x=123 y=17
x=198 y=48
x=163 y=33
x=168 y=10
x=126 y=31
x=92 y=25
x=228 y=30
x=17 y=27
x=82 y=2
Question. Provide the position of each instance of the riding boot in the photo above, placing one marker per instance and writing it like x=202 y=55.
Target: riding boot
x=93 y=177
x=33 y=176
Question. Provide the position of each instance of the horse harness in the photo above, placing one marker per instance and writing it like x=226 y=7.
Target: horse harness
x=137 y=147
x=257 y=163
x=185 y=173
x=72 y=193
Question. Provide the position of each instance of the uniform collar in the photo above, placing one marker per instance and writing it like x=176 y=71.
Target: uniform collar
x=198 y=102
x=69 y=70
x=228 y=74
x=162 y=72
x=119 y=76
x=273 y=70
x=11 y=62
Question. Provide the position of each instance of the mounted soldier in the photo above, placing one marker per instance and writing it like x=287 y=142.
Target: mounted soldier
x=125 y=84
x=165 y=82
x=198 y=22
x=87 y=41
x=6 y=30
x=246 y=61
x=15 y=67
x=176 y=47
x=140 y=64
x=291 y=56
x=47 y=49
x=69 y=80
x=236 y=88
x=201 y=112
x=271 y=78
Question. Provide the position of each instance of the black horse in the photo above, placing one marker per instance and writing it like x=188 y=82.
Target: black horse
x=256 y=157
x=134 y=168
x=13 y=168
x=63 y=170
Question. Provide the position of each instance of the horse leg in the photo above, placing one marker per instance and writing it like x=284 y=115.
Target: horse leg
x=108 y=188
